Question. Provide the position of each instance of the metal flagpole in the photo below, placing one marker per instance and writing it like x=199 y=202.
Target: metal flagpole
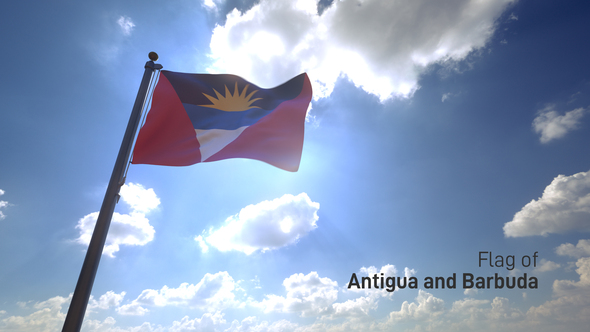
x=77 y=309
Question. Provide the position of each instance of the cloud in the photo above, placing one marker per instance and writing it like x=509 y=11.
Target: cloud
x=250 y=324
x=358 y=307
x=471 y=291
x=307 y=295
x=385 y=271
x=48 y=317
x=485 y=315
x=469 y=307
x=381 y=46
x=311 y=295
x=212 y=5
x=212 y=293
x=388 y=270
x=106 y=301
x=132 y=309
x=264 y=226
x=449 y=95
x=571 y=305
x=140 y=200
x=126 y=25
x=545 y=266
x=564 y=206
x=582 y=249
x=552 y=126
x=109 y=325
x=110 y=41
x=3 y=204
x=208 y=322
x=426 y=307
x=126 y=229
x=428 y=313
x=568 y=288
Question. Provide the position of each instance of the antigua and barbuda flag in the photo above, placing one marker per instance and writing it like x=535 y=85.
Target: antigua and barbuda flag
x=202 y=117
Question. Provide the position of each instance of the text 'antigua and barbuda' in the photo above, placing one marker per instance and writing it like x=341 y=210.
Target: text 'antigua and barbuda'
x=467 y=280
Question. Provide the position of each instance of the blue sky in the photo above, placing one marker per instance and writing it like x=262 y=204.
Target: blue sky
x=438 y=129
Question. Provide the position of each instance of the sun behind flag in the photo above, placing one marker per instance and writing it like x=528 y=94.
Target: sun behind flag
x=202 y=117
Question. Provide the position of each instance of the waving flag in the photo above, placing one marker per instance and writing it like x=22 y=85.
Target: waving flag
x=201 y=118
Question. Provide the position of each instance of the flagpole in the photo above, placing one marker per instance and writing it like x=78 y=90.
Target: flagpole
x=77 y=309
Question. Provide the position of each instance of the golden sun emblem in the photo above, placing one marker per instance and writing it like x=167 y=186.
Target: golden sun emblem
x=232 y=103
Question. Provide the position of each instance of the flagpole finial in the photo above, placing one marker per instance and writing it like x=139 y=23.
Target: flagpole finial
x=153 y=56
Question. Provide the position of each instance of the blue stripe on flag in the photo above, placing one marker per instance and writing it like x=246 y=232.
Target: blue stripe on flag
x=212 y=118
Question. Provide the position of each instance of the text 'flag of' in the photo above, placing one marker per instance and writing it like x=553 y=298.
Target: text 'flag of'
x=202 y=117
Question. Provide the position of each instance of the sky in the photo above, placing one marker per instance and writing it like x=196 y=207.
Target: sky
x=446 y=140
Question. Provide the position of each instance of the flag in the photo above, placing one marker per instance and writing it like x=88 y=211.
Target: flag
x=202 y=117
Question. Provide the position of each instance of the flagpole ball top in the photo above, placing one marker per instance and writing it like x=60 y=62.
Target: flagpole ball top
x=153 y=56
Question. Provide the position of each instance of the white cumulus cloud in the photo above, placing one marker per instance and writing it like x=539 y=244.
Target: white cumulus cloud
x=582 y=249
x=264 y=226
x=570 y=288
x=571 y=303
x=358 y=307
x=212 y=5
x=250 y=324
x=426 y=307
x=207 y=322
x=3 y=204
x=546 y=265
x=381 y=46
x=49 y=315
x=471 y=291
x=307 y=295
x=126 y=229
x=140 y=200
x=106 y=301
x=550 y=125
x=214 y=292
x=564 y=206
x=126 y=25
x=386 y=271
x=132 y=309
